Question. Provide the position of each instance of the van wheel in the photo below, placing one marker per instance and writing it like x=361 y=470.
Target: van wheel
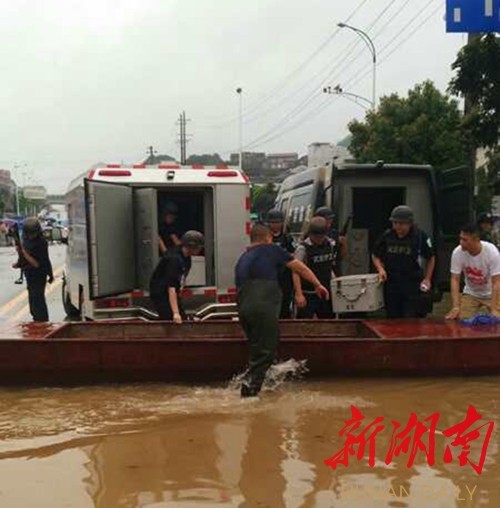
x=69 y=308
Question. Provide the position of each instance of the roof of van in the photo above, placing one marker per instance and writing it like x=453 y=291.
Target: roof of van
x=308 y=176
x=167 y=173
x=382 y=166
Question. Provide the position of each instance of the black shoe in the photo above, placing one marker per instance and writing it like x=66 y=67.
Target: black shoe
x=249 y=391
x=18 y=281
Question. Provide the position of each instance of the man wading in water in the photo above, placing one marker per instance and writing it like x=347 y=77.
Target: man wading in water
x=259 y=301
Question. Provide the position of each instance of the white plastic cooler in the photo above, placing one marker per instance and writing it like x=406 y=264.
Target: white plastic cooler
x=357 y=293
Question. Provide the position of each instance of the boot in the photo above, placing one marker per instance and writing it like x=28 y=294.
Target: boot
x=249 y=391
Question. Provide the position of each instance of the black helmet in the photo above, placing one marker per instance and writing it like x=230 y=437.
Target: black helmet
x=401 y=213
x=275 y=215
x=32 y=226
x=192 y=239
x=317 y=226
x=485 y=217
x=325 y=212
x=170 y=209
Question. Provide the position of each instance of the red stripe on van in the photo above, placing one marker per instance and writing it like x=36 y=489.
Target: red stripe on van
x=198 y=166
x=248 y=203
x=169 y=166
x=114 y=172
x=113 y=165
x=248 y=227
x=222 y=173
x=139 y=166
x=210 y=292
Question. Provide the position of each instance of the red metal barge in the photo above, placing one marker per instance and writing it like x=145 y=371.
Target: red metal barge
x=77 y=353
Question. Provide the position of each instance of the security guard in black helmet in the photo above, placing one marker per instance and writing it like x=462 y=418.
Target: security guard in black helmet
x=34 y=258
x=275 y=219
x=398 y=256
x=169 y=277
x=259 y=301
x=333 y=233
x=318 y=253
x=485 y=223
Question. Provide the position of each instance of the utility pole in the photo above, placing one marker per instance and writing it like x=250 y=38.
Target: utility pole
x=239 y=91
x=151 y=153
x=183 y=136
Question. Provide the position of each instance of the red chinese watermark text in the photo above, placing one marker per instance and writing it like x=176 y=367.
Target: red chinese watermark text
x=416 y=436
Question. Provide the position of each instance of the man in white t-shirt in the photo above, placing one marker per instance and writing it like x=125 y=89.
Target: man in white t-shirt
x=480 y=263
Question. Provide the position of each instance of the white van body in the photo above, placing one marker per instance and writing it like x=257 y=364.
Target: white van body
x=114 y=214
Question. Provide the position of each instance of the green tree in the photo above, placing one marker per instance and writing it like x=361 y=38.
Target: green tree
x=423 y=128
x=207 y=159
x=478 y=79
x=487 y=181
x=263 y=198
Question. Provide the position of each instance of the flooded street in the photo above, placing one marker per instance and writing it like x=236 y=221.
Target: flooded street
x=160 y=446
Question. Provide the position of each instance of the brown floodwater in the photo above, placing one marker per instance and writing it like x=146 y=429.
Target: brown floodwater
x=164 y=446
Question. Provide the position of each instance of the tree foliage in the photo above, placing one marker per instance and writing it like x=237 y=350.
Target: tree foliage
x=478 y=78
x=487 y=181
x=263 y=198
x=207 y=159
x=423 y=128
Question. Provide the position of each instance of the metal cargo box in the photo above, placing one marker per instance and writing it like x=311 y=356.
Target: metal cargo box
x=357 y=293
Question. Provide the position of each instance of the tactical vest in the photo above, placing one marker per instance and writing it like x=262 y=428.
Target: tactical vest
x=320 y=259
x=285 y=241
x=401 y=257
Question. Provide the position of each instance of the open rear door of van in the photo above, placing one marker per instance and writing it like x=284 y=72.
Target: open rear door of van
x=146 y=233
x=110 y=232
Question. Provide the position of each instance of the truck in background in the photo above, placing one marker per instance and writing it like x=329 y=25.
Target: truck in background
x=113 y=220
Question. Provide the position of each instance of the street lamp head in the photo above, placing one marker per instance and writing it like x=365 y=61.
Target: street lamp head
x=341 y=25
x=239 y=90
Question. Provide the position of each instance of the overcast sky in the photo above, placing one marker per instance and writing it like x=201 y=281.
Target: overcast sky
x=83 y=81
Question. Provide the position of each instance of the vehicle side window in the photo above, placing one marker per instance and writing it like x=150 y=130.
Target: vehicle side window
x=300 y=208
x=284 y=205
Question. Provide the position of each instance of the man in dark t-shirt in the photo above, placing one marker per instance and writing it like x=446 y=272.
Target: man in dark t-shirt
x=170 y=274
x=259 y=301
x=169 y=231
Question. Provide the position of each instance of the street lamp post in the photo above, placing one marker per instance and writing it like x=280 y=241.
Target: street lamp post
x=338 y=90
x=239 y=91
x=366 y=38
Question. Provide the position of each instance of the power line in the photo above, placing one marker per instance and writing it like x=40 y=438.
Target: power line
x=315 y=94
x=352 y=81
x=263 y=139
x=286 y=81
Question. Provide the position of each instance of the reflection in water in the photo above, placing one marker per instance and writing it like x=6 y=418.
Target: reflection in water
x=160 y=446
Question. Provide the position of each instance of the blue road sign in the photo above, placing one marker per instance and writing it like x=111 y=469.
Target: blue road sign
x=473 y=16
